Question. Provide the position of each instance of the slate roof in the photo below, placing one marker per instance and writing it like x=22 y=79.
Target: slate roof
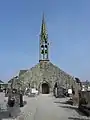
x=1 y=81
x=22 y=72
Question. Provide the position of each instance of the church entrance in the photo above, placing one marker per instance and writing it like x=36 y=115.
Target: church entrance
x=45 y=88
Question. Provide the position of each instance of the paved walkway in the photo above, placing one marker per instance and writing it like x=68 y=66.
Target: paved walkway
x=46 y=107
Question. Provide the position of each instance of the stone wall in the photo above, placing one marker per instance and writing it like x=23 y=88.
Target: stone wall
x=48 y=72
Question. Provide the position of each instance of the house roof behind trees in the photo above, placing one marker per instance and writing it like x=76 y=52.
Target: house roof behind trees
x=1 y=81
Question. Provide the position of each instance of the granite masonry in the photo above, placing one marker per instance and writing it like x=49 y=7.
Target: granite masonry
x=45 y=76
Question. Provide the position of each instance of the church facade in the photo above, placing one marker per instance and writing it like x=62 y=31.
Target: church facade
x=45 y=76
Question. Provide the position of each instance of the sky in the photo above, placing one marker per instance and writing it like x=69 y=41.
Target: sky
x=68 y=26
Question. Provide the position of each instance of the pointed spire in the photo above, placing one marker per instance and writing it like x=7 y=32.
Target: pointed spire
x=43 y=41
x=43 y=29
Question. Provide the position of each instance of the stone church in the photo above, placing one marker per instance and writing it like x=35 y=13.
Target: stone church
x=45 y=76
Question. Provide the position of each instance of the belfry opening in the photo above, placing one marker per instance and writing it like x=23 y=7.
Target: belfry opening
x=45 y=88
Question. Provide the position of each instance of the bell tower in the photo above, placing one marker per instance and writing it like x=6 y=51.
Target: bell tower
x=44 y=45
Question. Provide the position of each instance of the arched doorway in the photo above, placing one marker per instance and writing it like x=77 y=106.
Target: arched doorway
x=45 y=88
